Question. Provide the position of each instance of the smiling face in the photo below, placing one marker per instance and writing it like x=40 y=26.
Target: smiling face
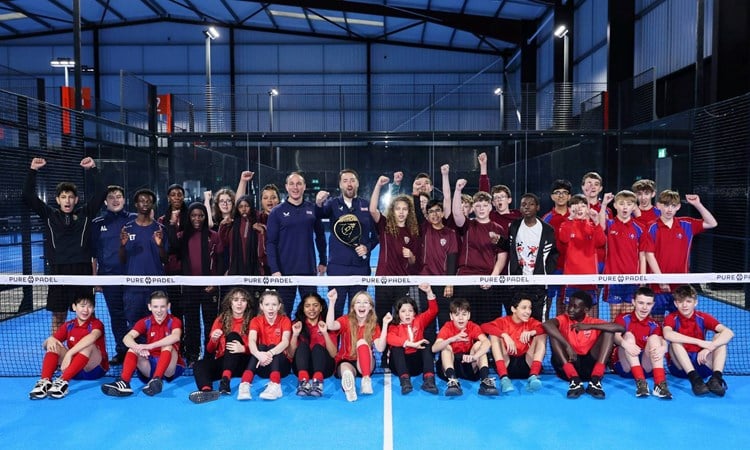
x=67 y=200
x=83 y=309
x=561 y=197
x=115 y=201
x=225 y=204
x=159 y=307
x=435 y=216
x=312 y=309
x=197 y=218
x=362 y=306
x=295 y=187
x=522 y=312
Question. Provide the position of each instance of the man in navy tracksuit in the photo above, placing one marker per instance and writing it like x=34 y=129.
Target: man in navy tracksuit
x=348 y=258
x=289 y=242
x=105 y=242
x=67 y=244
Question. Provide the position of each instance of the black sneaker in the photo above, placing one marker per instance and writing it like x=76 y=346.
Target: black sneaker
x=454 y=388
x=595 y=390
x=575 y=389
x=153 y=387
x=715 y=384
x=428 y=385
x=488 y=387
x=641 y=388
x=662 y=391
x=699 y=387
x=303 y=388
x=224 y=386
x=118 y=388
x=406 y=386
x=204 y=396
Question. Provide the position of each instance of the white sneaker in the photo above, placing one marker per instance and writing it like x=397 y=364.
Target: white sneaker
x=366 y=388
x=350 y=388
x=243 y=392
x=272 y=391
x=40 y=389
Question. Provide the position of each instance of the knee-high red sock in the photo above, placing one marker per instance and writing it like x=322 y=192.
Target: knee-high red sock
x=129 y=366
x=637 y=372
x=76 y=365
x=364 y=356
x=49 y=364
x=247 y=376
x=536 y=367
x=659 y=375
x=276 y=376
x=502 y=370
x=598 y=370
x=165 y=357
x=570 y=370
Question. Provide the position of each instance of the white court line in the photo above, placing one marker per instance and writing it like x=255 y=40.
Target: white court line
x=387 y=413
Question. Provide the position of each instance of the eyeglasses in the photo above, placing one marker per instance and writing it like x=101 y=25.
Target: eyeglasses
x=434 y=211
x=225 y=202
x=559 y=193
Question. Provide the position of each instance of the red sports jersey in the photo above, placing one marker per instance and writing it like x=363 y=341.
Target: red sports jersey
x=694 y=326
x=671 y=246
x=316 y=337
x=449 y=329
x=270 y=334
x=391 y=259
x=555 y=220
x=345 y=342
x=581 y=341
x=583 y=239
x=478 y=253
x=624 y=242
x=641 y=329
x=155 y=331
x=219 y=347
x=514 y=329
x=399 y=334
x=436 y=246
x=647 y=216
x=601 y=251
x=71 y=332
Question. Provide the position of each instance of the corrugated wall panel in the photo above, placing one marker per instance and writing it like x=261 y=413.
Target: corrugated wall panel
x=680 y=34
x=591 y=32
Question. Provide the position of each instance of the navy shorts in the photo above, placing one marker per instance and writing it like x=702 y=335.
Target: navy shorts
x=93 y=374
x=152 y=360
x=703 y=370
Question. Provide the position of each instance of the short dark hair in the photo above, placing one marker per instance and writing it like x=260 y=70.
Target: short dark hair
x=144 y=191
x=401 y=302
x=519 y=297
x=458 y=304
x=159 y=294
x=115 y=188
x=645 y=291
x=562 y=184
x=433 y=203
x=578 y=199
x=66 y=186
x=532 y=196
x=685 y=291
x=584 y=296
x=351 y=171
x=85 y=296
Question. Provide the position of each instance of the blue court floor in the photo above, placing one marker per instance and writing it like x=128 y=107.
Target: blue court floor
x=545 y=419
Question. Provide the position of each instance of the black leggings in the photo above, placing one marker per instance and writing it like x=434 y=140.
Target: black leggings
x=208 y=370
x=313 y=360
x=280 y=363
x=412 y=363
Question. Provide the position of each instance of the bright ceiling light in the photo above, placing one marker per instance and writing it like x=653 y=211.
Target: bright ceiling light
x=63 y=62
x=211 y=33
x=561 y=31
x=294 y=15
